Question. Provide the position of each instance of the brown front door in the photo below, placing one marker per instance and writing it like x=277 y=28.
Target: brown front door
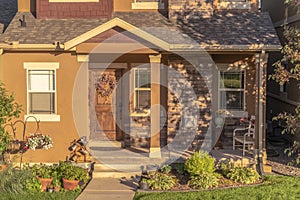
x=105 y=107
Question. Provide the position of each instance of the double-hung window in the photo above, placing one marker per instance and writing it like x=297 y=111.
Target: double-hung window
x=142 y=89
x=232 y=90
x=41 y=90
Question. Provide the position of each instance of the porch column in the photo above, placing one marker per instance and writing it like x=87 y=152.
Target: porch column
x=155 y=107
x=260 y=110
x=1 y=73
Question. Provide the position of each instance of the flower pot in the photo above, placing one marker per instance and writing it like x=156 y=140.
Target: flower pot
x=45 y=183
x=70 y=184
x=56 y=188
x=3 y=167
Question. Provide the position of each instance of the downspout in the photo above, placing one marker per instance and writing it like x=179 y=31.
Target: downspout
x=259 y=5
x=1 y=67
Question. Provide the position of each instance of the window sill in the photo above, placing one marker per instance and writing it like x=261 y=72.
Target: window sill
x=148 y=5
x=234 y=5
x=135 y=114
x=43 y=117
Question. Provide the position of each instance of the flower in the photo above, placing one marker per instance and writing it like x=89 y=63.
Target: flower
x=223 y=112
x=38 y=141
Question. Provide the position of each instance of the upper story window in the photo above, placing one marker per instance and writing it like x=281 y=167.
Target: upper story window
x=148 y=4
x=41 y=90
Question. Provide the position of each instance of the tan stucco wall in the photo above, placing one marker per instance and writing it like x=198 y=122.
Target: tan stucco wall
x=62 y=132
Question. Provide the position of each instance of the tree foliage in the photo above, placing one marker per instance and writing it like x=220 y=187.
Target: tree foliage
x=8 y=110
x=286 y=69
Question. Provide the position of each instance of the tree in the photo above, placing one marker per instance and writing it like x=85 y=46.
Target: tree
x=8 y=110
x=286 y=69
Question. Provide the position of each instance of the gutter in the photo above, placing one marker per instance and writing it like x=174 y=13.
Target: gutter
x=43 y=47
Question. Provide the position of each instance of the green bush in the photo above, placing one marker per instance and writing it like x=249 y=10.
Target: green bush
x=166 y=169
x=160 y=181
x=15 y=181
x=199 y=163
x=203 y=181
x=244 y=175
x=179 y=167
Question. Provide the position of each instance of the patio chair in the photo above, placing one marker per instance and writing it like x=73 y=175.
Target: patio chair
x=245 y=136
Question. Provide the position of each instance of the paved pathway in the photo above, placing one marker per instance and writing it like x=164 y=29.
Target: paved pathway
x=109 y=188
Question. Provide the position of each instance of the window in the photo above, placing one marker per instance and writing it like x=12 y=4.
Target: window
x=41 y=90
x=142 y=89
x=147 y=4
x=232 y=90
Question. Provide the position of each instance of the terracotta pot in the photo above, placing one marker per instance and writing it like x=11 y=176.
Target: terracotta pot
x=56 y=188
x=70 y=184
x=3 y=167
x=45 y=183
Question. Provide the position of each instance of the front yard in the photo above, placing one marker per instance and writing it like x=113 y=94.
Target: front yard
x=274 y=187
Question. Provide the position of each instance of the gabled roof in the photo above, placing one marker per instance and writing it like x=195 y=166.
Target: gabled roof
x=222 y=31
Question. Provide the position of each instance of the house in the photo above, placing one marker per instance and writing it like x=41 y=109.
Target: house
x=149 y=74
x=283 y=98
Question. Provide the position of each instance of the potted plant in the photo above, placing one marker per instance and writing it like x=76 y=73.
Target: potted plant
x=72 y=175
x=9 y=110
x=44 y=174
x=38 y=141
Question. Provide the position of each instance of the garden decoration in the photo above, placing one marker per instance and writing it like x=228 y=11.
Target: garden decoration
x=79 y=152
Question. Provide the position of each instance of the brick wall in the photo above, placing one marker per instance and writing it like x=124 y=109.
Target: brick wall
x=65 y=10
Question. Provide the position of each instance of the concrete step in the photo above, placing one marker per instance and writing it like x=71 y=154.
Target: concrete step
x=105 y=143
x=115 y=174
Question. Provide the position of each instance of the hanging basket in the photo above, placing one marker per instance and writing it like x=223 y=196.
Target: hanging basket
x=70 y=184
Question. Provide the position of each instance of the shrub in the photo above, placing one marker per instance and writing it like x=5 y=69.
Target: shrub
x=160 y=181
x=244 y=175
x=203 y=181
x=166 y=169
x=179 y=167
x=199 y=163
x=14 y=181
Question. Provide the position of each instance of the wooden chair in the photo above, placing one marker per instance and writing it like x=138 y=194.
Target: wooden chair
x=245 y=136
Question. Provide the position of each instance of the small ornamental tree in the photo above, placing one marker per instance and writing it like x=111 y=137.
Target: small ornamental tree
x=283 y=74
x=9 y=109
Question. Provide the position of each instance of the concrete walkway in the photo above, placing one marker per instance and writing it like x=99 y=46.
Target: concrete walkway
x=109 y=188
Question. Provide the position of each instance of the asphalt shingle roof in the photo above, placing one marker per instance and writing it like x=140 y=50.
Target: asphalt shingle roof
x=8 y=9
x=222 y=28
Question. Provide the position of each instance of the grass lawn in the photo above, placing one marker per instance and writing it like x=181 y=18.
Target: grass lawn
x=71 y=195
x=274 y=187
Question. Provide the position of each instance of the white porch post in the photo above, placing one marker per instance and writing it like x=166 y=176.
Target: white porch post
x=155 y=107
x=260 y=111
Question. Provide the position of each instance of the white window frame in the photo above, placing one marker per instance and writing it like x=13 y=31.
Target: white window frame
x=234 y=4
x=53 y=66
x=234 y=112
x=135 y=88
x=148 y=5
